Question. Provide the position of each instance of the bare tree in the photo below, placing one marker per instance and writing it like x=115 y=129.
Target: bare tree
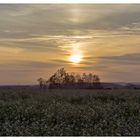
x=42 y=82
x=63 y=79
x=58 y=78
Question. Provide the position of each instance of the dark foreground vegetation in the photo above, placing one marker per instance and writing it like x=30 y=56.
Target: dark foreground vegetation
x=59 y=112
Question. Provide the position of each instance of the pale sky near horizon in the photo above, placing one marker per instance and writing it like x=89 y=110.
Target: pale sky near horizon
x=37 y=39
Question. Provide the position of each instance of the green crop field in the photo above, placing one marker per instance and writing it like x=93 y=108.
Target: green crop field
x=42 y=112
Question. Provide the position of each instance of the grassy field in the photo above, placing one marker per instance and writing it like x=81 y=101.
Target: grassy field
x=36 y=112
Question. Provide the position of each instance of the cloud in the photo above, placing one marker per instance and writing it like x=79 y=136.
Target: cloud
x=63 y=19
x=36 y=38
x=112 y=64
x=128 y=59
x=30 y=64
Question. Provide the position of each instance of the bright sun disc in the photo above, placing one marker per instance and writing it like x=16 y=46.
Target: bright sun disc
x=75 y=58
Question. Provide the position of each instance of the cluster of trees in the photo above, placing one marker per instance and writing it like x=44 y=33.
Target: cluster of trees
x=63 y=79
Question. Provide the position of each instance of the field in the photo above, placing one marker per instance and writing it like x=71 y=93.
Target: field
x=40 y=112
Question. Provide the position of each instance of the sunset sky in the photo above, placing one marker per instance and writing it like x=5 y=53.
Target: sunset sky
x=36 y=40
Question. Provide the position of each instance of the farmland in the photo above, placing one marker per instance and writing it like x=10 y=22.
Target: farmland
x=60 y=112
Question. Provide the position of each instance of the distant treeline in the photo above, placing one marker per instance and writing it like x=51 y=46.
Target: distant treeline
x=63 y=79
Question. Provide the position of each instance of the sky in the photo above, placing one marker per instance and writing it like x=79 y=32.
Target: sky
x=37 y=39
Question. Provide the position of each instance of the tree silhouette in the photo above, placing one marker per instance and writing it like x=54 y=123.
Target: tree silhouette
x=58 y=78
x=42 y=82
x=63 y=79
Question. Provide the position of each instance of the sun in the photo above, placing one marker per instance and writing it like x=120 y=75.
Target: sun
x=75 y=58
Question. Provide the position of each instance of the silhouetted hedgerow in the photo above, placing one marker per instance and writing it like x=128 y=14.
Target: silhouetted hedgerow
x=63 y=79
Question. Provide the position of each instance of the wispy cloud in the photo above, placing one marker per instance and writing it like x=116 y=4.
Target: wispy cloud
x=35 y=39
